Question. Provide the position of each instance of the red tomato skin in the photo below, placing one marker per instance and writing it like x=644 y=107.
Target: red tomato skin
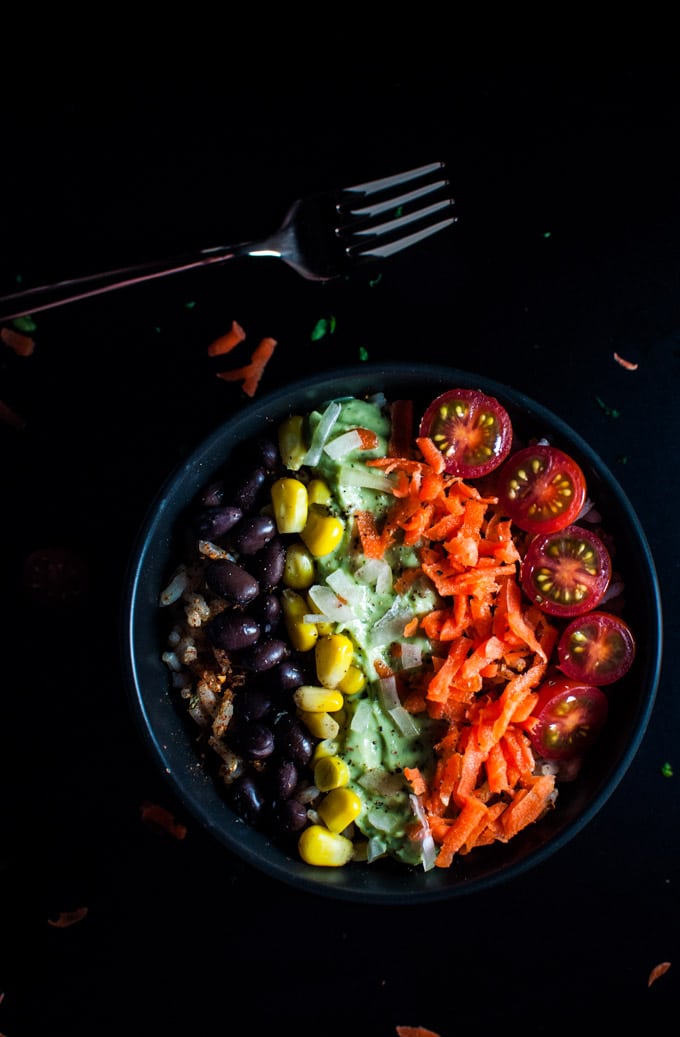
x=458 y=436
x=541 y=488
x=597 y=647
x=545 y=584
x=567 y=718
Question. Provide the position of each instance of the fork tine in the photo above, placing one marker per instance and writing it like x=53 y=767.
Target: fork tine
x=390 y=247
x=373 y=186
x=382 y=229
x=393 y=203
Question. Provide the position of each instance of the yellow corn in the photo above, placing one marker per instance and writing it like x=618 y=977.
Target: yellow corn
x=322 y=532
x=292 y=446
x=326 y=747
x=339 y=808
x=290 y=504
x=318 y=492
x=330 y=772
x=298 y=568
x=321 y=725
x=353 y=681
x=318 y=845
x=303 y=636
x=317 y=700
x=333 y=655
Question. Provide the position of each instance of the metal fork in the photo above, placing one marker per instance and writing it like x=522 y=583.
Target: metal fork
x=323 y=237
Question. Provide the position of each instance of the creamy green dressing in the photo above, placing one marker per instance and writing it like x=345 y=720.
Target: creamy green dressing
x=374 y=744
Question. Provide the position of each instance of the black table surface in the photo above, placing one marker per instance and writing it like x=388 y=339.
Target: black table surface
x=566 y=252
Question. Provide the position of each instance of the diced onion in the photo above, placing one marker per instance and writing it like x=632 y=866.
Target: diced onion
x=321 y=434
x=365 y=478
x=411 y=655
x=376 y=848
x=404 y=721
x=345 y=587
x=343 y=444
x=389 y=697
x=428 y=846
x=362 y=717
x=376 y=572
x=330 y=606
x=390 y=627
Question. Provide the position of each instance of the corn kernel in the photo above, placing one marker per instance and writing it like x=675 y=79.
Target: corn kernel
x=290 y=504
x=318 y=492
x=321 y=725
x=318 y=845
x=339 y=808
x=292 y=446
x=333 y=655
x=330 y=772
x=326 y=747
x=303 y=636
x=317 y=700
x=322 y=532
x=298 y=568
x=353 y=681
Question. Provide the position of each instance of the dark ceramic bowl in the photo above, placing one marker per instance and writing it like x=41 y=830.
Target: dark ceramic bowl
x=170 y=740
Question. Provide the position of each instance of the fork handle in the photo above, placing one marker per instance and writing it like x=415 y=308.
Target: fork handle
x=49 y=296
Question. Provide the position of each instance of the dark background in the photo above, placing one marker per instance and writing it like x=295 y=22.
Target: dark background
x=566 y=250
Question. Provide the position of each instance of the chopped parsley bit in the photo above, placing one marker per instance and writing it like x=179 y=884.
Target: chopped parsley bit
x=667 y=770
x=547 y=233
x=24 y=324
x=324 y=326
x=19 y=279
x=399 y=211
x=374 y=281
x=189 y=305
x=611 y=412
x=363 y=353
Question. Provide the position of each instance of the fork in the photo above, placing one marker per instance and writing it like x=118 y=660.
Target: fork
x=323 y=237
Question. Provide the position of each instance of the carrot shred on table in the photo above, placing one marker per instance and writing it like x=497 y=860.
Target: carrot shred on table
x=658 y=971
x=161 y=819
x=628 y=364
x=415 y=1031
x=250 y=374
x=490 y=652
x=67 y=918
x=225 y=343
x=23 y=345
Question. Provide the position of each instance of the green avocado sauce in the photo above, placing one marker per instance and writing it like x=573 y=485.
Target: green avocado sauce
x=375 y=743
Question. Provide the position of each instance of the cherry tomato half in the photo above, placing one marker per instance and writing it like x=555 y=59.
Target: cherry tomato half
x=566 y=573
x=567 y=718
x=472 y=430
x=541 y=489
x=598 y=648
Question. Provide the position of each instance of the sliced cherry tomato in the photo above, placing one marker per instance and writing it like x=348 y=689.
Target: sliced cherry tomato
x=566 y=573
x=472 y=430
x=541 y=489
x=567 y=718
x=598 y=648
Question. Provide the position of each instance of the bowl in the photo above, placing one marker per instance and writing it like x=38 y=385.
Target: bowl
x=171 y=740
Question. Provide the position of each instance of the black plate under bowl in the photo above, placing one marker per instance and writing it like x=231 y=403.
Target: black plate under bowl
x=169 y=739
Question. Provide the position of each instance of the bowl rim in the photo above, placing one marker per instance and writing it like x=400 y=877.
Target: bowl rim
x=243 y=842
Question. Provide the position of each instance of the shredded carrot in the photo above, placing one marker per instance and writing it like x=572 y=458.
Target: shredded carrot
x=225 y=343
x=162 y=820
x=67 y=918
x=415 y=1031
x=23 y=345
x=628 y=364
x=490 y=652
x=658 y=971
x=251 y=373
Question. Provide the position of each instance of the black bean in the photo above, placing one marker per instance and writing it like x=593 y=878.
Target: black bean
x=251 y=704
x=284 y=779
x=247 y=799
x=290 y=675
x=252 y=533
x=268 y=564
x=289 y=816
x=263 y=451
x=232 y=630
x=213 y=495
x=293 y=740
x=247 y=491
x=231 y=581
x=255 y=740
x=264 y=655
x=267 y=611
x=212 y=522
